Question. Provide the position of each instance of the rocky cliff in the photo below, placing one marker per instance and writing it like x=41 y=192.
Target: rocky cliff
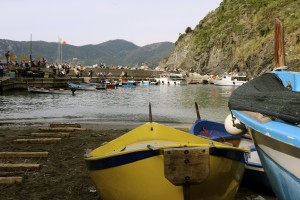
x=238 y=34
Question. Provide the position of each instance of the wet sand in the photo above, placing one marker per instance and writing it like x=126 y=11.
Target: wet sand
x=63 y=174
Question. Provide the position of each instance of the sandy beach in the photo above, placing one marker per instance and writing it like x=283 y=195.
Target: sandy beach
x=62 y=174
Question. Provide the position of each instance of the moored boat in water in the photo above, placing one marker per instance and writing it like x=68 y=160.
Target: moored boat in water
x=33 y=89
x=172 y=79
x=128 y=83
x=155 y=161
x=106 y=84
x=229 y=80
x=82 y=86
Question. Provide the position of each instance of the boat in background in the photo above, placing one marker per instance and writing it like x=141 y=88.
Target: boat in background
x=171 y=79
x=254 y=175
x=82 y=86
x=103 y=85
x=148 y=82
x=33 y=89
x=144 y=83
x=154 y=161
x=231 y=79
x=128 y=83
x=269 y=107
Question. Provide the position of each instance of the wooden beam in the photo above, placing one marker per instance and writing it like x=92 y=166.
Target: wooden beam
x=11 y=180
x=58 y=125
x=61 y=129
x=11 y=173
x=20 y=166
x=23 y=154
x=38 y=141
x=51 y=134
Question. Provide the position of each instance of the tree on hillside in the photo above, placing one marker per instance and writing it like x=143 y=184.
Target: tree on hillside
x=188 y=30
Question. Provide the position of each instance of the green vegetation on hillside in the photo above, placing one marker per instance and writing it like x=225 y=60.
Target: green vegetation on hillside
x=242 y=32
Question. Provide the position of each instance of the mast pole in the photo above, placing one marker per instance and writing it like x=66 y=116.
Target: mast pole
x=60 y=52
x=31 y=44
x=279 y=44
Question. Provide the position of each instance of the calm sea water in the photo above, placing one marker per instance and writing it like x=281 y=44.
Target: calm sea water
x=170 y=104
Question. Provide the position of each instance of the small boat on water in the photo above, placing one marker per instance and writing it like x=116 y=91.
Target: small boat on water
x=254 y=175
x=154 y=161
x=106 y=84
x=230 y=80
x=33 y=89
x=269 y=107
x=128 y=83
x=82 y=86
x=101 y=86
x=172 y=79
x=144 y=83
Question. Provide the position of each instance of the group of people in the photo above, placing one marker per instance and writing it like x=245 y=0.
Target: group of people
x=60 y=70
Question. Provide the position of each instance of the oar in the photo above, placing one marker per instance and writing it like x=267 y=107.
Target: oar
x=150 y=113
x=197 y=111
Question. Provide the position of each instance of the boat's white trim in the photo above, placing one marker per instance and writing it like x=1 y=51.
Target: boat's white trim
x=286 y=161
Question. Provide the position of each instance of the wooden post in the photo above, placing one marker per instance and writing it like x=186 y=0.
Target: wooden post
x=150 y=113
x=197 y=111
x=279 y=44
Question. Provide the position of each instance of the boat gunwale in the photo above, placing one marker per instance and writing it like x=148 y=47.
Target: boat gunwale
x=273 y=129
x=99 y=163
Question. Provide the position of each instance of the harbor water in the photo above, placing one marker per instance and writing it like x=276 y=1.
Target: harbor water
x=170 y=105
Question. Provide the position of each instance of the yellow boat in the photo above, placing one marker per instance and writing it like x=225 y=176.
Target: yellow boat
x=158 y=162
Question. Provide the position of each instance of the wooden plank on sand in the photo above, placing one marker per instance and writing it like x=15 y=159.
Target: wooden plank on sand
x=11 y=180
x=38 y=141
x=61 y=129
x=23 y=154
x=20 y=166
x=58 y=125
x=51 y=134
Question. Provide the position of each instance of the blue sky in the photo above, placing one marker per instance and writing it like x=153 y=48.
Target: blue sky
x=82 y=22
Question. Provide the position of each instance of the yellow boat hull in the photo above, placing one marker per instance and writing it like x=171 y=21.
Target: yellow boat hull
x=144 y=178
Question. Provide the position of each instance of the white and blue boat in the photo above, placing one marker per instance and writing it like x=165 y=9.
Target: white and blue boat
x=269 y=106
x=128 y=83
x=82 y=86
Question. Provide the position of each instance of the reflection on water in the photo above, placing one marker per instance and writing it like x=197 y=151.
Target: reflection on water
x=169 y=104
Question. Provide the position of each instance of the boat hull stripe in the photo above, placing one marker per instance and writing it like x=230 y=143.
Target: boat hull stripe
x=275 y=144
x=115 y=161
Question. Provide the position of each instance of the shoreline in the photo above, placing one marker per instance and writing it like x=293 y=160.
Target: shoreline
x=63 y=174
x=93 y=125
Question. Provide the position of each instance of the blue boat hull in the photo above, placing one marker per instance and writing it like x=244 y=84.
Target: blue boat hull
x=277 y=144
x=285 y=184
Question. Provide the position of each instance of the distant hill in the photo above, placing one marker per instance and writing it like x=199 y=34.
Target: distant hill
x=111 y=53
